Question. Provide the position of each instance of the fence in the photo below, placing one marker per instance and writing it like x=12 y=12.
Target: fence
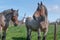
x=55 y=31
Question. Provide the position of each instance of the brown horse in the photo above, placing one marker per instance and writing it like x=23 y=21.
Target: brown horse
x=38 y=23
x=9 y=14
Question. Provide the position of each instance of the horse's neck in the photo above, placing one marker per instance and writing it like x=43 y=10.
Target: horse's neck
x=8 y=18
x=36 y=13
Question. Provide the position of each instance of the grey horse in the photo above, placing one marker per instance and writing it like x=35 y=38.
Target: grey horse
x=38 y=23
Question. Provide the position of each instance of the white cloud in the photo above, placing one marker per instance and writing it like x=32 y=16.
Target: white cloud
x=54 y=8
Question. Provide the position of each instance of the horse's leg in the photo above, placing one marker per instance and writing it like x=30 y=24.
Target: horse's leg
x=45 y=34
x=4 y=35
x=39 y=34
x=0 y=32
x=28 y=34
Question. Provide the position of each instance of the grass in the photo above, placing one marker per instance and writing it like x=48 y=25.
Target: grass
x=19 y=33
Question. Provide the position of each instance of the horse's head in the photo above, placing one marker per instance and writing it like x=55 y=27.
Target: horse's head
x=14 y=17
x=41 y=11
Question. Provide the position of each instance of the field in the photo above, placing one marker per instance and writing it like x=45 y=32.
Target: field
x=19 y=33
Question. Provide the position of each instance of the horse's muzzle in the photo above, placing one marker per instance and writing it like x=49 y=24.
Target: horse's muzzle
x=15 y=24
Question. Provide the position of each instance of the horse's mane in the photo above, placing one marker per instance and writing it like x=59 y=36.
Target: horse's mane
x=6 y=11
x=46 y=13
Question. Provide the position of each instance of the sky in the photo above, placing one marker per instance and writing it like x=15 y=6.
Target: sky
x=30 y=6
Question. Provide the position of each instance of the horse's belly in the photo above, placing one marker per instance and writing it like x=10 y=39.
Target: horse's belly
x=33 y=24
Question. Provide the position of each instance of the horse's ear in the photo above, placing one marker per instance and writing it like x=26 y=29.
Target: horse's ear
x=41 y=3
x=38 y=3
x=11 y=9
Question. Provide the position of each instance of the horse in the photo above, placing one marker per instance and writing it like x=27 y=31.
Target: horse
x=9 y=14
x=38 y=22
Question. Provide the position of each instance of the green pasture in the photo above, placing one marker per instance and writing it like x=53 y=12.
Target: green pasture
x=19 y=33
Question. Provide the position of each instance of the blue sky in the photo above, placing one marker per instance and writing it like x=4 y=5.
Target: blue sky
x=30 y=6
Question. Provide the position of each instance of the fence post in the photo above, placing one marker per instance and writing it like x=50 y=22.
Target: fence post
x=55 y=31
